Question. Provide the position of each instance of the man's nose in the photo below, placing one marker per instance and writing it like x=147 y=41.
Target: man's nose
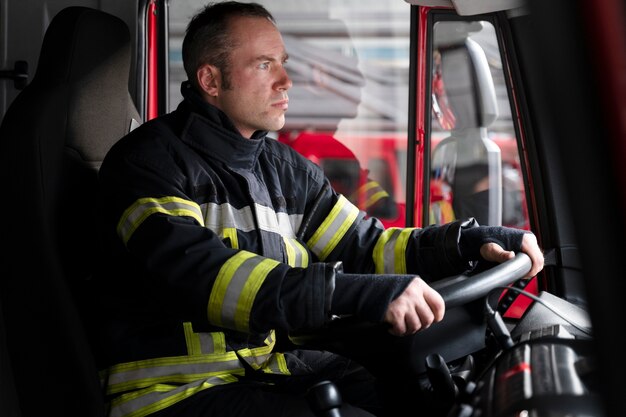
x=284 y=82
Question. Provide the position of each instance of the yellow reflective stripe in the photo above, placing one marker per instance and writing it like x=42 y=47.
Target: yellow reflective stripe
x=372 y=192
x=141 y=209
x=231 y=233
x=291 y=252
x=256 y=362
x=270 y=340
x=225 y=275
x=249 y=292
x=259 y=350
x=304 y=252
x=282 y=364
x=400 y=250
x=379 y=249
x=390 y=251
x=235 y=288
x=261 y=358
x=147 y=377
x=219 y=342
x=374 y=198
x=297 y=255
x=203 y=342
x=277 y=364
x=333 y=228
x=192 y=340
x=158 y=397
x=184 y=369
x=368 y=186
x=176 y=369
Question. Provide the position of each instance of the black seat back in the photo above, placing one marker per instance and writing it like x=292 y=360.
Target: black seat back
x=52 y=141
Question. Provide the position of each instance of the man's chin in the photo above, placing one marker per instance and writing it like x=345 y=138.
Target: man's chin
x=278 y=124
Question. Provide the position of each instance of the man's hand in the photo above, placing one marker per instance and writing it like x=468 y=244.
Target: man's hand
x=416 y=308
x=495 y=253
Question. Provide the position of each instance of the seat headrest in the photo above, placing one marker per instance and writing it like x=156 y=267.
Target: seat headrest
x=85 y=59
x=77 y=40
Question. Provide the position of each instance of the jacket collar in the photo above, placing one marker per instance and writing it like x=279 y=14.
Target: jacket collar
x=210 y=131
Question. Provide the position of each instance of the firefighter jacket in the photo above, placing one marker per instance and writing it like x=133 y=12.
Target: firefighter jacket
x=214 y=242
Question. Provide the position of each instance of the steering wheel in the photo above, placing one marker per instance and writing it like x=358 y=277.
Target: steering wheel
x=460 y=333
x=463 y=289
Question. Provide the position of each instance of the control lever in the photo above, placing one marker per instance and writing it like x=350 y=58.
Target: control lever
x=324 y=399
x=440 y=378
x=499 y=330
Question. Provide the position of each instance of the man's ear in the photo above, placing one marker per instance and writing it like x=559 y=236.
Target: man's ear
x=209 y=79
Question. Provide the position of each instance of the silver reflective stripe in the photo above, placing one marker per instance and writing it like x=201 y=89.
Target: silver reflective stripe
x=270 y=221
x=220 y=216
x=145 y=207
x=271 y=338
x=235 y=289
x=390 y=251
x=262 y=358
x=203 y=342
x=333 y=228
x=177 y=369
x=258 y=361
x=157 y=397
x=297 y=255
x=277 y=364
x=296 y=221
x=213 y=342
x=185 y=369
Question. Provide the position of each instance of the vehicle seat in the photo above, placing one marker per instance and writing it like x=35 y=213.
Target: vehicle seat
x=468 y=160
x=52 y=141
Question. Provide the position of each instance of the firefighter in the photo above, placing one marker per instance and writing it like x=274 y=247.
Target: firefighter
x=219 y=240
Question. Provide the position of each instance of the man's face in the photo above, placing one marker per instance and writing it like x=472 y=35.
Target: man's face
x=257 y=96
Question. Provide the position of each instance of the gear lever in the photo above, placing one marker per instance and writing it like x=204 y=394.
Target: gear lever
x=324 y=399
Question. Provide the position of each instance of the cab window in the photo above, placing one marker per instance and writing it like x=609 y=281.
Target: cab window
x=475 y=165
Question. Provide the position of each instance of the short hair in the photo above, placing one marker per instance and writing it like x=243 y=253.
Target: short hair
x=207 y=38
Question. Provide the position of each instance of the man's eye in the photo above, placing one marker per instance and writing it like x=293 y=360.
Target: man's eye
x=264 y=65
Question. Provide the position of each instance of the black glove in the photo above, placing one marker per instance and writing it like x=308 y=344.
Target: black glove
x=472 y=239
